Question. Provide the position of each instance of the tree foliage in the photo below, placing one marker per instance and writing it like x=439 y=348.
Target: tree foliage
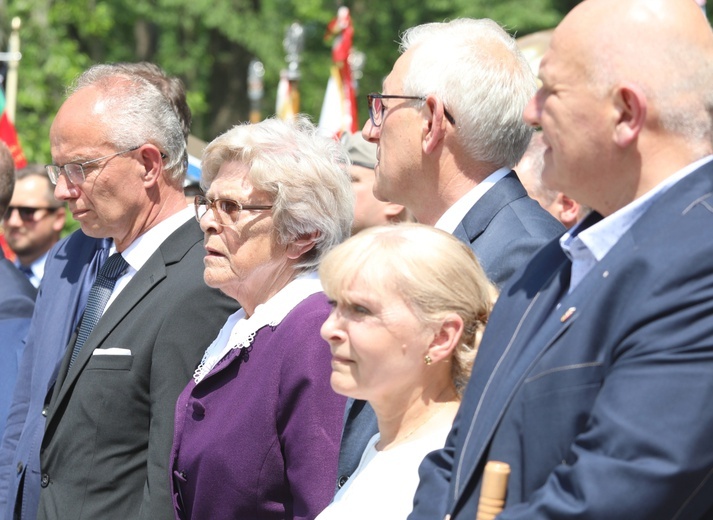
x=210 y=43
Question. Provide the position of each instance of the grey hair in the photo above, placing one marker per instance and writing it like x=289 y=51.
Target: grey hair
x=305 y=174
x=478 y=72
x=136 y=112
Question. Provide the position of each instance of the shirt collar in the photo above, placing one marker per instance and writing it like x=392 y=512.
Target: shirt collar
x=603 y=235
x=141 y=249
x=456 y=213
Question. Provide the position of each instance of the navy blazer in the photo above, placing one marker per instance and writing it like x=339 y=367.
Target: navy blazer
x=17 y=300
x=600 y=400
x=69 y=273
x=504 y=228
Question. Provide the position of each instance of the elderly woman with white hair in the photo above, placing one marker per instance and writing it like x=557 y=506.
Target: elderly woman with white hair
x=410 y=304
x=257 y=429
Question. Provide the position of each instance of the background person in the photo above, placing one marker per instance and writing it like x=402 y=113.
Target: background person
x=368 y=210
x=33 y=221
x=410 y=306
x=257 y=429
x=595 y=373
x=529 y=170
x=17 y=299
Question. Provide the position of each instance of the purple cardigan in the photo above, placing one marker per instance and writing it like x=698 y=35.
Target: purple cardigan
x=258 y=438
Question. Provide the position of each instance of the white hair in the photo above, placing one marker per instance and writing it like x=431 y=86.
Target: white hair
x=485 y=83
x=306 y=175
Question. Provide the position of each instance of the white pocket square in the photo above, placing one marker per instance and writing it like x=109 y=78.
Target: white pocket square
x=111 y=352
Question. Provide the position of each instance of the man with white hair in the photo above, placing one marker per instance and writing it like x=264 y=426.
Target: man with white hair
x=449 y=129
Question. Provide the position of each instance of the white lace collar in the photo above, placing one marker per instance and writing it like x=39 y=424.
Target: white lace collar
x=239 y=331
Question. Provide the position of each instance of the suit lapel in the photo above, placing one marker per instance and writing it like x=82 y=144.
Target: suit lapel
x=537 y=328
x=496 y=198
x=150 y=275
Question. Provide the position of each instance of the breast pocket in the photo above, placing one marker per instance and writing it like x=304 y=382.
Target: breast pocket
x=110 y=362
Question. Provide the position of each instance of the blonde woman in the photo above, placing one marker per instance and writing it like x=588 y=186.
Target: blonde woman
x=409 y=306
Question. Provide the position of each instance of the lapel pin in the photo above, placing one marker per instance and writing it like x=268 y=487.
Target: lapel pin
x=568 y=314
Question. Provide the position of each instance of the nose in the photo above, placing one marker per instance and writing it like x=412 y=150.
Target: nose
x=65 y=190
x=209 y=224
x=331 y=331
x=370 y=132
x=531 y=114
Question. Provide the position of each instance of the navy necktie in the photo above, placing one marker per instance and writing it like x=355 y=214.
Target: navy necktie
x=97 y=300
x=26 y=270
x=100 y=256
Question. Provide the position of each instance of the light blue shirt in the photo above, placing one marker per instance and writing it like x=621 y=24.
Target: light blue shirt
x=589 y=246
x=36 y=270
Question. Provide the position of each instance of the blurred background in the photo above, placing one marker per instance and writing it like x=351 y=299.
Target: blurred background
x=229 y=53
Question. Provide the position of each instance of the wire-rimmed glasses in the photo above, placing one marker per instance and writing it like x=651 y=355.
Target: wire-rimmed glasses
x=75 y=171
x=376 y=107
x=225 y=211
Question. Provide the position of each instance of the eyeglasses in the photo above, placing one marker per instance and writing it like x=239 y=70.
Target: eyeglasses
x=27 y=213
x=376 y=107
x=75 y=171
x=225 y=211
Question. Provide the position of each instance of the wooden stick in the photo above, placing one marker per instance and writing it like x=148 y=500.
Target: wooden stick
x=493 y=490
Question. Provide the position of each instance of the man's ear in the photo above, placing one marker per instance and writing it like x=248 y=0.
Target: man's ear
x=150 y=157
x=446 y=338
x=393 y=212
x=434 y=130
x=568 y=210
x=631 y=108
x=301 y=245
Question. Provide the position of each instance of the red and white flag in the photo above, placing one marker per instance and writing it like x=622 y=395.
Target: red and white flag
x=339 y=112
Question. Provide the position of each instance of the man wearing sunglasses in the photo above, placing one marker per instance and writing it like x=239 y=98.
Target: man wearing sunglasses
x=33 y=221
x=449 y=129
x=17 y=299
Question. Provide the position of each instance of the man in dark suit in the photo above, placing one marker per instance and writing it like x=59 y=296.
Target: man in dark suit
x=449 y=130
x=17 y=299
x=71 y=269
x=120 y=159
x=595 y=374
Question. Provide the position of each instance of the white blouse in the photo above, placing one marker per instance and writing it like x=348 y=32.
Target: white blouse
x=383 y=485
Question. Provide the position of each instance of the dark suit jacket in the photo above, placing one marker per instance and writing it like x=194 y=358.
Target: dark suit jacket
x=17 y=300
x=504 y=228
x=601 y=405
x=110 y=422
x=70 y=268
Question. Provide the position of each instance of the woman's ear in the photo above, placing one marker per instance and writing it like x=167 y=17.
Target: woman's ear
x=301 y=245
x=446 y=338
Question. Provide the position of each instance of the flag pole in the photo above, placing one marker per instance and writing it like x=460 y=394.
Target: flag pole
x=11 y=83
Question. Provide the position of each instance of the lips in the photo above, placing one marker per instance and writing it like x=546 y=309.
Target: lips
x=79 y=213
x=212 y=253
x=341 y=360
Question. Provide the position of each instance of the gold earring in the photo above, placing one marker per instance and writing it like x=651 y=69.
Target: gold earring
x=427 y=359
